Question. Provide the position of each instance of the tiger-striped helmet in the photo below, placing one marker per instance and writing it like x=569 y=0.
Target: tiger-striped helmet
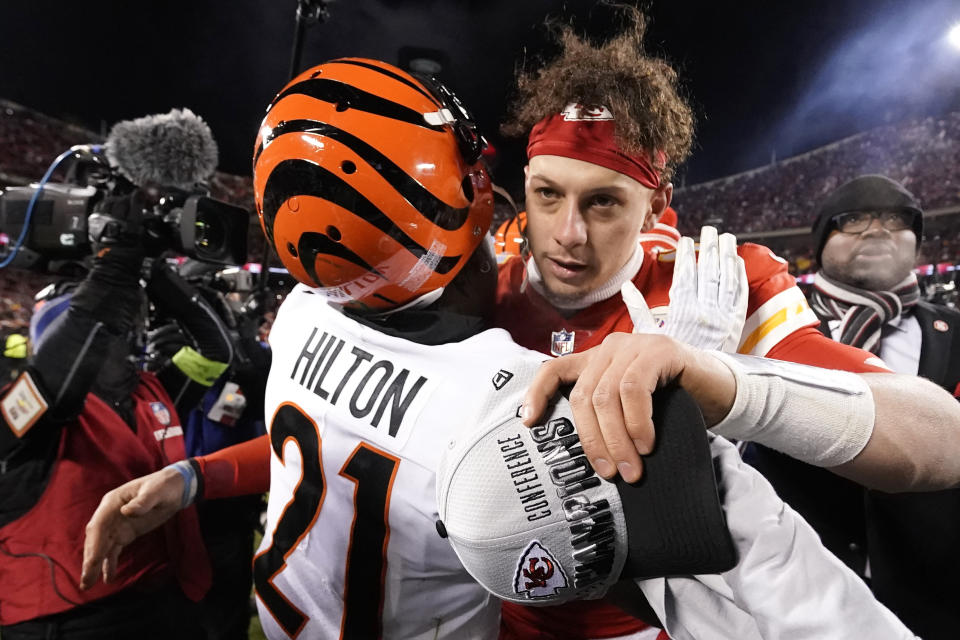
x=369 y=184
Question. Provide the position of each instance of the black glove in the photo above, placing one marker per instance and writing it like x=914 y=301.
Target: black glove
x=162 y=343
x=117 y=219
x=175 y=298
x=103 y=312
x=111 y=292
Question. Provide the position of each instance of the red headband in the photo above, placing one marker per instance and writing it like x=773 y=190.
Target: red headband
x=587 y=134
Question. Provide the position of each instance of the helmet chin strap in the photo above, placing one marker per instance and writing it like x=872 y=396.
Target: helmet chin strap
x=419 y=302
x=430 y=297
x=425 y=300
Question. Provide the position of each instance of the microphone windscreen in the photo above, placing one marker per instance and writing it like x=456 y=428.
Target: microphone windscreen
x=172 y=149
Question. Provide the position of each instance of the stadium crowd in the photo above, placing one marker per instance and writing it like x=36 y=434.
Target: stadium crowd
x=923 y=155
x=31 y=141
x=146 y=414
x=17 y=298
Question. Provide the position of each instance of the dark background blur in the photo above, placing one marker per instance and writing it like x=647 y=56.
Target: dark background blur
x=767 y=79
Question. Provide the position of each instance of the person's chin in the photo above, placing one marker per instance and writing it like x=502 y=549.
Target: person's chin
x=568 y=289
x=872 y=279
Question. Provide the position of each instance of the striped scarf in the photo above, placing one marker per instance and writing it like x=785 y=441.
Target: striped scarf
x=862 y=313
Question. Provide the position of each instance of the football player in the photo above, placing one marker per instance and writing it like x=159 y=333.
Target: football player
x=607 y=126
x=369 y=186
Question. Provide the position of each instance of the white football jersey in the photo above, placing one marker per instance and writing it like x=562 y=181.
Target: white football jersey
x=357 y=421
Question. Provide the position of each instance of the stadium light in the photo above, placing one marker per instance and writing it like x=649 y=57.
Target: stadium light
x=954 y=35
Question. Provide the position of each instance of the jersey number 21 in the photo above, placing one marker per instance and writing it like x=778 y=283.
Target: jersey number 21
x=372 y=471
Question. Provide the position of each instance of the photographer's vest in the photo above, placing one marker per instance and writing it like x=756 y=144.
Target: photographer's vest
x=41 y=552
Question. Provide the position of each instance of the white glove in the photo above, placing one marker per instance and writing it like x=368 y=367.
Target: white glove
x=708 y=298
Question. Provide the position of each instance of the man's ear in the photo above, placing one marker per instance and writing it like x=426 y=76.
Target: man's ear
x=658 y=204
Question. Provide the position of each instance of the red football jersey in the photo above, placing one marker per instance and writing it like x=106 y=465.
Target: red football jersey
x=779 y=324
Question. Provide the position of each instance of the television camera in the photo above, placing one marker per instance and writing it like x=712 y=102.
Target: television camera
x=144 y=185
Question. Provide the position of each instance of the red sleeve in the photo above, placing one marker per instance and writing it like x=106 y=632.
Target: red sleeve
x=767 y=274
x=777 y=308
x=809 y=346
x=240 y=470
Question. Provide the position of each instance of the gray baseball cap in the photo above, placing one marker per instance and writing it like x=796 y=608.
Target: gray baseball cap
x=532 y=522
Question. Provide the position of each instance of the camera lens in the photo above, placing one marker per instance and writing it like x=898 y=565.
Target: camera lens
x=214 y=231
x=210 y=234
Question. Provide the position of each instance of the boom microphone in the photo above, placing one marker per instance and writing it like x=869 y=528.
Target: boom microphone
x=174 y=149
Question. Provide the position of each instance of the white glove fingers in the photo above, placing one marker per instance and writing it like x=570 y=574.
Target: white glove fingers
x=731 y=271
x=683 y=291
x=684 y=269
x=638 y=309
x=737 y=309
x=708 y=268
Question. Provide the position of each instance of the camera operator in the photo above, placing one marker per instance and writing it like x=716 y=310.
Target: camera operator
x=83 y=419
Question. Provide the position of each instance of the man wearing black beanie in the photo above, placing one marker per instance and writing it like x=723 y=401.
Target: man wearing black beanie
x=867 y=233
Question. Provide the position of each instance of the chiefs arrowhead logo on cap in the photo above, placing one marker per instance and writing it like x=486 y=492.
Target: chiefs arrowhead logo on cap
x=539 y=575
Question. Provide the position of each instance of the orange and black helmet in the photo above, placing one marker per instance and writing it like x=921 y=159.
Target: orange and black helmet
x=510 y=239
x=369 y=184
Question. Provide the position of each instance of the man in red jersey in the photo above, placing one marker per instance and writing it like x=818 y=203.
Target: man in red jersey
x=606 y=129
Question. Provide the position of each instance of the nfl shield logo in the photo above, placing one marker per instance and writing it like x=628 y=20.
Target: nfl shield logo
x=561 y=342
x=161 y=413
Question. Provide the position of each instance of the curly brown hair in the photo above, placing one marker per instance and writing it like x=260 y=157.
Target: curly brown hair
x=640 y=91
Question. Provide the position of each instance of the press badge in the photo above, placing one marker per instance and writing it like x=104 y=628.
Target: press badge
x=23 y=405
x=229 y=406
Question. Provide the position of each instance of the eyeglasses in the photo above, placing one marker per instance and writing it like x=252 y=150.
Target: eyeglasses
x=860 y=221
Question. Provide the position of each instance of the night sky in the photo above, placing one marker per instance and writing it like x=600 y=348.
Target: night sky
x=764 y=77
